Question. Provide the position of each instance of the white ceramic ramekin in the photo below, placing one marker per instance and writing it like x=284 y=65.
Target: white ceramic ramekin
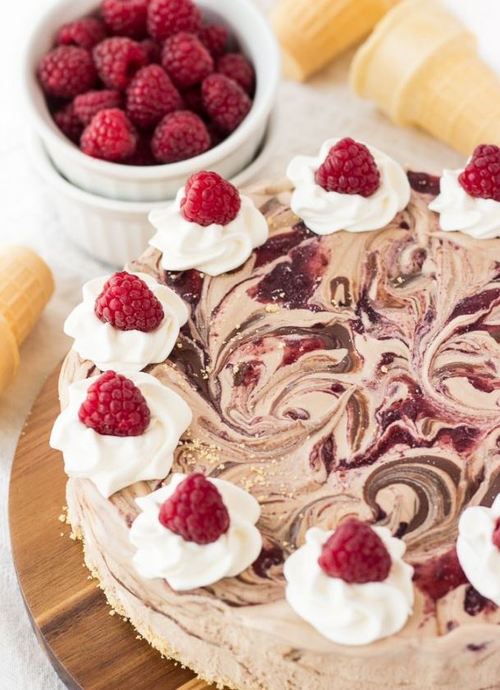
x=112 y=231
x=157 y=183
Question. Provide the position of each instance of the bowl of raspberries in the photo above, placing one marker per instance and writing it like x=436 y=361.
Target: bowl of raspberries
x=130 y=97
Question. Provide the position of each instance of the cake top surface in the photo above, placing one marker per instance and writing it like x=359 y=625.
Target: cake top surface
x=337 y=375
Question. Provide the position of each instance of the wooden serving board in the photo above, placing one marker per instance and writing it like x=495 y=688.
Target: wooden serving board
x=89 y=648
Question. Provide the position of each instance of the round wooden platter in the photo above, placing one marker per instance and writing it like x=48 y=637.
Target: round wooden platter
x=89 y=648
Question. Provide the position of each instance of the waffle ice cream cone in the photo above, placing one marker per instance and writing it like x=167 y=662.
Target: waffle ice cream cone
x=26 y=285
x=421 y=67
x=313 y=32
x=9 y=354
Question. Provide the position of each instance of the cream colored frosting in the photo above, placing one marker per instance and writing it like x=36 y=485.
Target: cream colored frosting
x=478 y=555
x=213 y=249
x=187 y=565
x=114 y=462
x=326 y=212
x=124 y=351
x=458 y=210
x=350 y=614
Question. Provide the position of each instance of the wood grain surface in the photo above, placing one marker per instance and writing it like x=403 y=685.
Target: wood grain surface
x=89 y=648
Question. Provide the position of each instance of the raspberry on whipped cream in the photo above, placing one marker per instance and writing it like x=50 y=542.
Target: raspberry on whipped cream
x=348 y=186
x=478 y=548
x=210 y=227
x=114 y=406
x=113 y=462
x=223 y=548
x=469 y=199
x=100 y=324
x=336 y=582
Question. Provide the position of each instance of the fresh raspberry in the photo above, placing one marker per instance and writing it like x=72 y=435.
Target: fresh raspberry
x=126 y=17
x=481 y=177
x=237 y=67
x=115 y=407
x=85 y=33
x=179 y=136
x=195 y=511
x=67 y=71
x=496 y=534
x=441 y=575
x=69 y=123
x=150 y=96
x=356 y=554
x=117 y=60
x=127 y=304
x=225 y=101
x=349 y=168
x=89 y=104
x=168 y=17
x=186 y=60
x=152 y=51
x=214 y=37
x=110 y=136
x=209 y=198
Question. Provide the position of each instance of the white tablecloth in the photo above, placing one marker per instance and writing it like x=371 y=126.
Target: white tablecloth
x=308 y=114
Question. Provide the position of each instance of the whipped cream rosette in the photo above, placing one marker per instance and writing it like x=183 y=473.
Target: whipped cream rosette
x=325 y=211
x=186 y=564
x=345 y=612
x=122 y=350
x=210 y=247
x=478 y=548
x=466 y=206
x=113 y=462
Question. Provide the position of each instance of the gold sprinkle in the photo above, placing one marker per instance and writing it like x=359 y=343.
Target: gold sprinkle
x=272 y=308
x=384 y=369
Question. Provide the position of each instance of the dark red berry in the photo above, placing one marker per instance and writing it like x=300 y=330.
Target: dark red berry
x=196 y=511
x=237 y=67
x=168 y=17
x=89 y=104
x=214 y=37
x=186 y=60
x=126 y=17
x=117 y=60
x=67 y=71
x=209 y=198
x=109 y=136
x=496 y=534
x=179 y=136
x=225 y=101
x=127 y=303
x=356 y=554
x=115 y=407
x=481 y=177
x=85 y=33
x=150 y=96
x=349 y=168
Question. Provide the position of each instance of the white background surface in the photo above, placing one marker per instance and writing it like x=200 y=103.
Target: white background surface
x=309 y=114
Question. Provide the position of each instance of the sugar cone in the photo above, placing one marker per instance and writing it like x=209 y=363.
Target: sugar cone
x=9 y=354
x=421 y=67
x=313 y=32
x=26 y=285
